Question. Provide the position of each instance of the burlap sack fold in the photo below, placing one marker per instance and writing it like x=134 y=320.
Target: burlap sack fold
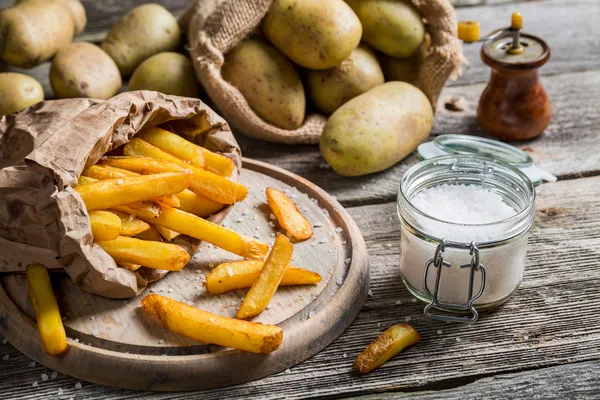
x=44 y=149
x=216 y=26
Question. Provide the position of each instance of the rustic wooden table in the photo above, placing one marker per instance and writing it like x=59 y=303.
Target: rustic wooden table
x=545 y=342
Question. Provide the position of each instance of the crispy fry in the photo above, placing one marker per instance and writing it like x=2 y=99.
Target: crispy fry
x=263 y=289
x=150 y=234
x=105 y=225
x=137 y=164
x=199 y=228
x=217 y=163
x=211 y=328
x=242 y=274
x=204 y=183
x=288 y=215
x=174 y=145
x=149 y=254
x=130 y=225
x=103 y=172
x=50 y=326
x=166 y=233
x=123 y=191
x=85 y=180
x=386 y=346
x=198 y=205
x=129 y=266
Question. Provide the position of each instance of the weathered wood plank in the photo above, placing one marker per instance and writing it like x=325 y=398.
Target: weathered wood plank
x=552 y=319
x=568 y=149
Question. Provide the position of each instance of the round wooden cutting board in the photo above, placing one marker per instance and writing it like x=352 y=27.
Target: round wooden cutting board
x=113 y=342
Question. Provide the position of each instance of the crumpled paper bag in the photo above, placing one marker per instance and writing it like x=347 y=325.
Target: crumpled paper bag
x=44 y=149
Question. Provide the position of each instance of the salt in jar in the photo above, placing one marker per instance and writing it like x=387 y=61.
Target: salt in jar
x=464 y=226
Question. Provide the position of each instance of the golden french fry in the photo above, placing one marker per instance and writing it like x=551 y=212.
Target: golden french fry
x=174 y=145
x=105 y=225
x=130 y=225
x=198 y=205
x=129 y=266
x=211 y=328
x=50 y=326
x=386 y=346
x=263 y=289
x=103 y=172
x=139 y=164
x=288 y=215
x=242 y=274
x=204 y=183
x=132 y=189
x=199 y=228
x=217 y=163
x=86 y=180
x=150 y=234
x=149 y=254
x=166 y=233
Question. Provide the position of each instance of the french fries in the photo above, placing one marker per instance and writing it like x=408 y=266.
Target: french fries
x=288 y=215
x=242 y=274
x=186 y=150
x=199 y=228
x=112 y=193
x=166 y=233
x=194 y=204
x=49 y=322
x=387 y=345
x=262 y=291
x=211 y=328
x=129 y=266
x=105 y=225
x=146 y=253
x=130 y=225
x=150 y=234
x=204 y=183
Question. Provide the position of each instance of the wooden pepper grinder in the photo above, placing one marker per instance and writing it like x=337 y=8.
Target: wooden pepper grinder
x=514 y=105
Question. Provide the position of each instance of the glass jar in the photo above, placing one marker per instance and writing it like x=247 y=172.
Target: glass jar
x=460 y=267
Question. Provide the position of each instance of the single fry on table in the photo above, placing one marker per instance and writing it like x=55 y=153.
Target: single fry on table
x=146 y=253
x=288 y=215
x=112 y=193
x=211 y=328
x=49 y=322
x=387 y=345
x=271 y=274
x=105 y=225
x=242 y=274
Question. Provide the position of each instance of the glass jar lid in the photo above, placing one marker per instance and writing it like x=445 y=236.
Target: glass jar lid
x=465 y=144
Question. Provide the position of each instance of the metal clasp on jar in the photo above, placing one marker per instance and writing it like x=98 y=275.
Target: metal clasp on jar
x=438 y=262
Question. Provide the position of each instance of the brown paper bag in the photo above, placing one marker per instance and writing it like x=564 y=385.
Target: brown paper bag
x=216 y=26
x=44 y=149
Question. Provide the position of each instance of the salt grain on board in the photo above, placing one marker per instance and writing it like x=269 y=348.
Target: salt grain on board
x=44 y=377
x=407 y=319
x=54 y=375
x=5 y=357
x=31 y=364
x=339 y=281
x=35 y=384
x=78 y=385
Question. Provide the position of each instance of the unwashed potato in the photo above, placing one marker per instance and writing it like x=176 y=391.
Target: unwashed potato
x=377 y=129
x=269 y=82
x=142 y=32
x=330 y=88
x=32 y=31
x=405 y=69
x=315 y=34
x=84 y=70
x=168 y=73
x=393 y=27
x=18 y=91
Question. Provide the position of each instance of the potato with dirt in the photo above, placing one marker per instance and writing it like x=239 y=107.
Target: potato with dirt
x=377 y=129
x=168 y=73
x=393 y=27
x=330 y=88
x=314 y=34
x=146 y=30
x=84 y=70
x=32 y=31
x=269 y=82
x=18 y=91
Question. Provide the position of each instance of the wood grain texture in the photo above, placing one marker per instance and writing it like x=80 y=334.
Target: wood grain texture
x=552 y=319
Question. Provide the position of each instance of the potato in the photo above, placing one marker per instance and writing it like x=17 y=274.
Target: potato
x=315 y=34
x=144 y=31
x=330 y=88
x=405 y=69
x=393 y=27
x=268 y=81
x=32 y=31
x=168 y=73
x=377 y=129
x=18 y=91
x=84 y=70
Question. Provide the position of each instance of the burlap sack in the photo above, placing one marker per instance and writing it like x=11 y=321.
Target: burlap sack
x=44 y=149
x=216 y=26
